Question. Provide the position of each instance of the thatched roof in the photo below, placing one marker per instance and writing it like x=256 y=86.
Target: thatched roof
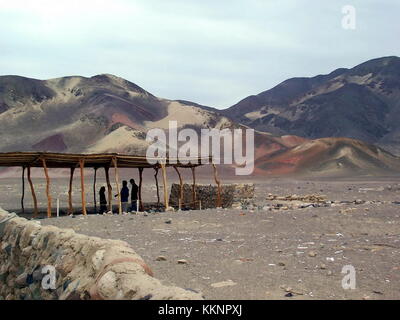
x=65 y=160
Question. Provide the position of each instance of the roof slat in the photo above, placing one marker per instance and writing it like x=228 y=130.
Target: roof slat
x=67 y=160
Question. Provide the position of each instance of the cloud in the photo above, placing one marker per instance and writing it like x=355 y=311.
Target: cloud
x=212 y=52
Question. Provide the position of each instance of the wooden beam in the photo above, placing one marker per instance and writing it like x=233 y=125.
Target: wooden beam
x=82 y=167
x=194 y=196
x=35 y=205
x=23 y=190
x=157 y=187
x=71 y=179
x=218 y=182
x=109 y=188
x=180 y=188
x=164 y=173
x=141 y=209
x=46 y=173
x=117 y=185
x=94 y=190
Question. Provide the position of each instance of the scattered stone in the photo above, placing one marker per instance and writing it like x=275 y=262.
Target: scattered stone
x=294 y=292
x=161 y=258
x=312 y=254
x=307 y=198
x=169 y=221
x=21 y=280
x=228 y=283
x=359 y=201
x=349 y=210
x=182 y=261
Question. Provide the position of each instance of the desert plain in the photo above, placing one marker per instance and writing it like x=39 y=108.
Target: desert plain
x=263 y=250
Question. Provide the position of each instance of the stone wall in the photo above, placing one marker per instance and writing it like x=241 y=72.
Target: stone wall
x=86 y=267
x=232 y=195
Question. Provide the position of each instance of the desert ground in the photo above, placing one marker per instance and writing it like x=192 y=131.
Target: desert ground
x=257 y=252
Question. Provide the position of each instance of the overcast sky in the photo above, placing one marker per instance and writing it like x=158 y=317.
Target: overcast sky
x=213 y=52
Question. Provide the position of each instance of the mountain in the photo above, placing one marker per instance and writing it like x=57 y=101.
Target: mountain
x=360 y=103
x=97 y=114
x=106 y=113
x=329 y=156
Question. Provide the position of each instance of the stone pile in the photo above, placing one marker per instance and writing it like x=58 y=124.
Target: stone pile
x=85 y=267
x=232 y=195
x=314 y=198
x=296 y=202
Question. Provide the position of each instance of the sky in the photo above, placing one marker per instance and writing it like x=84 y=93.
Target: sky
x=210 y=52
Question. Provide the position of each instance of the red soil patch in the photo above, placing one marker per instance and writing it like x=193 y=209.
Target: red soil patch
x=124 y=119
x=53 y=143
x=293 y=141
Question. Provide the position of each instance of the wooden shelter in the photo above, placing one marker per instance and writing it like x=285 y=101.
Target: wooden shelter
x=45 y=160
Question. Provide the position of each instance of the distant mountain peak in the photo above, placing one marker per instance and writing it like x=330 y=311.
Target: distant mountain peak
x=361 y=103
x=111 y=79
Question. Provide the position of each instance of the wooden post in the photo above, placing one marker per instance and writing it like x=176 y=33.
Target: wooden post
x=140 y=189
x=82 y=167
x=94 y=190
x=46 y=173
x=109 y=187
x=164 y=173
x=71 y=179
x=157 y=188
x=194 y=196
x=35 y=205
x=180 y=188
x=23 y=190
x=218 y=182
x=117 y=185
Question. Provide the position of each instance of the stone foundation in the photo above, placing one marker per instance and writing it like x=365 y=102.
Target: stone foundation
x=85 y=267
x=232 y=195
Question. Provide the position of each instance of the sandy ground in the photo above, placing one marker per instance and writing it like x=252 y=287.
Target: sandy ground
x=261 y=254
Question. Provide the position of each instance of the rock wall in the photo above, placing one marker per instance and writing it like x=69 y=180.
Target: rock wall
x=85 y=267
x=232 y=195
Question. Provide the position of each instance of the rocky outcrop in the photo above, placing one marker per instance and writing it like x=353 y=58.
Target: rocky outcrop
x=82 y=267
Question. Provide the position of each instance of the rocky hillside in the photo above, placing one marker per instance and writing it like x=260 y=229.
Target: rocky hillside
x=103 y=113
x=361 y=103
x=106 y=113
x=329 y=156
